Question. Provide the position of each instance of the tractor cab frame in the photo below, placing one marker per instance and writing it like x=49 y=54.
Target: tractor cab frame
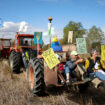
x=4 y=47
x=23 y=41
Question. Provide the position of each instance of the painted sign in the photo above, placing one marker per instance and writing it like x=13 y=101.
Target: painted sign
x=38 y=38
x=50 y=58
x=103 y=52
x=81 y=45
x=70 y=36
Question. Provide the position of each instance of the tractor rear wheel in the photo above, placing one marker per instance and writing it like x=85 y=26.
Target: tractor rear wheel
x=14 y=62
x=35 y=76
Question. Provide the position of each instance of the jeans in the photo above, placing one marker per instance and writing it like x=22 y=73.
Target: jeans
x=67 y=70
x=72 y=72
x=99 y=74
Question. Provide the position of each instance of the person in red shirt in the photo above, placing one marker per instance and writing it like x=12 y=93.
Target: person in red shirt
x=61 y=71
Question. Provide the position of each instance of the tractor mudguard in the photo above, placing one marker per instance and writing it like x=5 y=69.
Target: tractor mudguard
x=50 y=75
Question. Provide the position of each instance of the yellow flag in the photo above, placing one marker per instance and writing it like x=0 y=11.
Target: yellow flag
x=50 y=58
x=103 y=52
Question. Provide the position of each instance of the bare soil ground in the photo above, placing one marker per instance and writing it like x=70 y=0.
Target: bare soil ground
x=14 y=91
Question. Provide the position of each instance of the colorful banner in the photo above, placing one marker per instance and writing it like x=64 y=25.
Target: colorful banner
x=49 y=29
x=103 y=52
x=81 y=45
x=23 y=27
x=50 y=58
x=38 y=38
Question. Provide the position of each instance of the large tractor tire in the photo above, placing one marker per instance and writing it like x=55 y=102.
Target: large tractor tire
x=35 y=76
x=14 y=62
x=0 y=55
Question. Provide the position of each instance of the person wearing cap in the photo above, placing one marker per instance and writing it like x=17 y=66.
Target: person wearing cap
x=94 y=65
x=71 y=65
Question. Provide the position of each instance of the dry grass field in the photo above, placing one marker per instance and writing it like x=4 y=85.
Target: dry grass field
x=14 y=91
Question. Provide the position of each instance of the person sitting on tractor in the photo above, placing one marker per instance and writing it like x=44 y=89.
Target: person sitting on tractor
x=26 y=43
x=71 y=64
x=95 y=66
x=61 y=71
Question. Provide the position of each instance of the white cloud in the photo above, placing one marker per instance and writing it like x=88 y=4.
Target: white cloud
x=9 y=30
x=101 y=2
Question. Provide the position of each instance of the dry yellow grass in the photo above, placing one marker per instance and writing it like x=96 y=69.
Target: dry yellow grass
x=14 y=91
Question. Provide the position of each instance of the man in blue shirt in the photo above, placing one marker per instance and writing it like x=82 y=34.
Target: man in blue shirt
x=71 y=65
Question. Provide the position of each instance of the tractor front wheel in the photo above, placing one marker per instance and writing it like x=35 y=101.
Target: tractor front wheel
x=35 y=76
x=14 y=62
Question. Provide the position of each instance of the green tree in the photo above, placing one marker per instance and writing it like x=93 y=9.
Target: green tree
x=78 y=31
x=61 y=41
x=95 y=36
x=45 y=47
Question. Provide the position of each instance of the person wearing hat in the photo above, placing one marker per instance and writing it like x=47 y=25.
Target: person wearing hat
x=71 y=65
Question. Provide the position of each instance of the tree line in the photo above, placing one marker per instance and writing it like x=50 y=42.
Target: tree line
x=94 y=36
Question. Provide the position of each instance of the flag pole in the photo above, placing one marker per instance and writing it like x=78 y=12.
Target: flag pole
x=37 y=47
x=49 y=30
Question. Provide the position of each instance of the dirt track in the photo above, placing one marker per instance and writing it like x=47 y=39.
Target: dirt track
x=14 y=91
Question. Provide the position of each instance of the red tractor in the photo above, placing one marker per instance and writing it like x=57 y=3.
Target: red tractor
x=4 y=47
x=24 y=54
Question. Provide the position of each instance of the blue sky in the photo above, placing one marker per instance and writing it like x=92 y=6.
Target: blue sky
x=36 y=12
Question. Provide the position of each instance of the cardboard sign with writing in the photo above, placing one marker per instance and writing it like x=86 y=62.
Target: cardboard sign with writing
x=70 y=36
x=103 y=52
x=50 y=58
x=81 y=45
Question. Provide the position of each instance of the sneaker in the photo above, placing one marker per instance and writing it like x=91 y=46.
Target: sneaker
x=62 y=82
